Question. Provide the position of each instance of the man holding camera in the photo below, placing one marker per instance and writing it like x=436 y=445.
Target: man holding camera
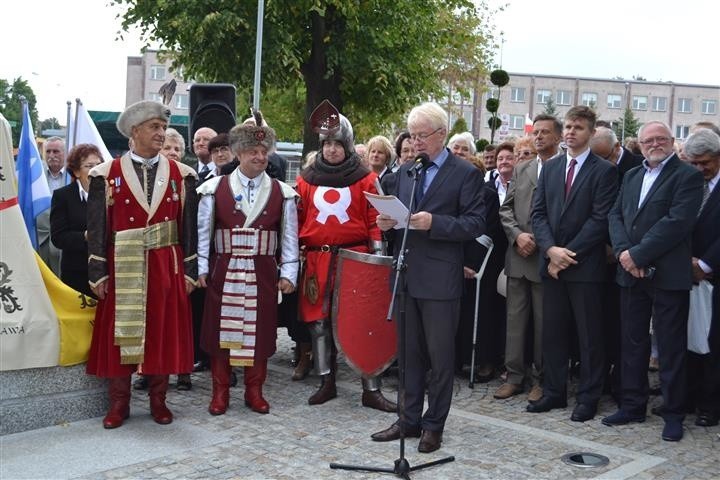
x=650 y=228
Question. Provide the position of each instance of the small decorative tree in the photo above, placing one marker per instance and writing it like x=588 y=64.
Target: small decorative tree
x=499 y=78
x=627 y=125
x=550 y=108
x=459 y=126
x=480 y=145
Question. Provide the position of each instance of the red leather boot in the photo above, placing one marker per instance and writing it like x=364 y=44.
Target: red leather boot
x=220 y=371
x=254 y=380
x=119 y=393
x=158 y=385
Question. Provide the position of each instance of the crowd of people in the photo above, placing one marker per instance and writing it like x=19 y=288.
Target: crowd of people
x=595 y=246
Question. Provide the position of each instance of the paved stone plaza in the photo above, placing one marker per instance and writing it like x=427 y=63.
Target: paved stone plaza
x=489 y=438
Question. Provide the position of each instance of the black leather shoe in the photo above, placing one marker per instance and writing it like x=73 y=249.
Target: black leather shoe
x=393 y=433
x=183 y=382
x=545 y=404
x=583 y=412
x=621 y=417
x=672 y=431
x=706 y=419
x=141 y=383
x=429 y=441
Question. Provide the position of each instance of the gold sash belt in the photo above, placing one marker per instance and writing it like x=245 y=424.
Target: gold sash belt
x=130 y=284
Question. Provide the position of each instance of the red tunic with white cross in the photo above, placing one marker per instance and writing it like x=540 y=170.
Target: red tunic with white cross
x=335 y=217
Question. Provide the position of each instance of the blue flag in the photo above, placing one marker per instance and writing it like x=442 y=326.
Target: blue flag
x=33 y=190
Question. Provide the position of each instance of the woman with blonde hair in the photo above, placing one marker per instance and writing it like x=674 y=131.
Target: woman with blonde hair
x=380 y=154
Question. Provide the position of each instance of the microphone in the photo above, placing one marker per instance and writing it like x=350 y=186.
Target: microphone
x=422 y=160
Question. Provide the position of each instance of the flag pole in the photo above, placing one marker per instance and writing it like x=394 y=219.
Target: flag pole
x=67 y=129
x=75 y=127
x=258 y=54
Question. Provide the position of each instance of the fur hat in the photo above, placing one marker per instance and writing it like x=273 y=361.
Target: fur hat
x=248 y=135
x=330 y=124
x=141 y=112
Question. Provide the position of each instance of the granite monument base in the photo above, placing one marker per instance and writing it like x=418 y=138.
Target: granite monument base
x=41 y=397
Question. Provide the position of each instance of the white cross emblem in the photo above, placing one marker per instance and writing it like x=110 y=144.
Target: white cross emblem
x=332 y=202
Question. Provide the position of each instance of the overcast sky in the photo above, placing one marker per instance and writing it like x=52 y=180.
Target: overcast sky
x=67 y=49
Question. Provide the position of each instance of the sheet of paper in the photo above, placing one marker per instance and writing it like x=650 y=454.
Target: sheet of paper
x=391 y=206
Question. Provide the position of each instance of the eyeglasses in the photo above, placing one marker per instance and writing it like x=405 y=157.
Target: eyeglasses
x=658 y=140
x=424 y=136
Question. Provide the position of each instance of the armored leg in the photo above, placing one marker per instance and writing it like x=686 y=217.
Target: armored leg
x=325 y=362
x=322 y=346
x=372 y=397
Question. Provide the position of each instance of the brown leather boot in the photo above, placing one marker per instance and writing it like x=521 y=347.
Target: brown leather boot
x=254 y=380
x=375 y=399
x=158 y=385
x=327 y=390
x=304 y=363
x=220 y=371
x=119 y=393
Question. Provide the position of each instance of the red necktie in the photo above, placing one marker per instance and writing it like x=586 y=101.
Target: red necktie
x=569 y=178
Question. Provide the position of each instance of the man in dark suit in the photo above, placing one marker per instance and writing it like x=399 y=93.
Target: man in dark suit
x=702 y=149
x=449 y=211
x=650 y=229
x=201 y=140
x=605 y=144
x=574 y=194
x=524 y=287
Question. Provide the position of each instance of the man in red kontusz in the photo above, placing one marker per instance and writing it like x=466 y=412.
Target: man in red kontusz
x=142 y=237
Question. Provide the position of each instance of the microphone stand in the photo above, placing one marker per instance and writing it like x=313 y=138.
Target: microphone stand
x=401 y=467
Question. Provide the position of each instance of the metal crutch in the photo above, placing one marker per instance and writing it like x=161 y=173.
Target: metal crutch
x=486 y=242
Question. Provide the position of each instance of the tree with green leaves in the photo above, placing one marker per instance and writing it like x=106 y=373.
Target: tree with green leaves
x=459 y=126
x=49 y=123
x=550 y=108
x=372 y=59
x=627 y=125
x=11 y=107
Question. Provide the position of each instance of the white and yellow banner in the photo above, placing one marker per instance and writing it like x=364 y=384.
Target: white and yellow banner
x=43 y=323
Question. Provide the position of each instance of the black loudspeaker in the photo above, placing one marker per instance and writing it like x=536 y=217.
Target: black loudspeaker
x=211 y=105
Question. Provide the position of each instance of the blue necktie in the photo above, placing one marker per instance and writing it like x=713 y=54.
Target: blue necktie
x=420 y=190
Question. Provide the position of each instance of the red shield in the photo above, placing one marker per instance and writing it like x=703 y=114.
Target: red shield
x=361 y=299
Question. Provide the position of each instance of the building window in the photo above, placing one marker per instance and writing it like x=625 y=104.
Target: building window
x=181 y=101
x=709 y=107
x=562 y=97
x=682 y=131
x=543 y=96
x=157 y=72
x=156 y=97
x=468 y=119
x=589 y=99
x=517 y=94
x=639 y=102
x=659 y=104
x=517 y=122
x=614 y=100
x=684 y=105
